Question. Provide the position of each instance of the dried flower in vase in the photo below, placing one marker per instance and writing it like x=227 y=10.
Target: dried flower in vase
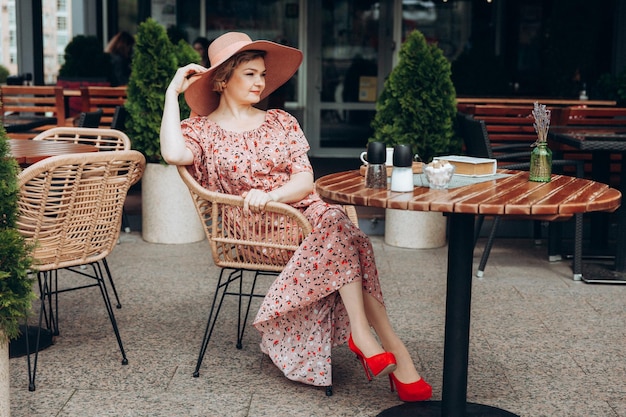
x=542 y=122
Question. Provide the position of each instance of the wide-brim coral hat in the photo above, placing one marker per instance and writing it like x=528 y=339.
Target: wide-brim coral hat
x=281 y=63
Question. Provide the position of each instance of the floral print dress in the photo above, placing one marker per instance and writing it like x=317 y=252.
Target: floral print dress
x=302 y=316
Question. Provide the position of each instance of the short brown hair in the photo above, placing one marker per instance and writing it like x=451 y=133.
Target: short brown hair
x=225 y=71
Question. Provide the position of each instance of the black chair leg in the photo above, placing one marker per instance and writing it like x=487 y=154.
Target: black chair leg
x=555 y=237
x=210 y=325
x=108 y=271
x=480 y=219
x=577 y=265
x=488 y=245
x=107 y=303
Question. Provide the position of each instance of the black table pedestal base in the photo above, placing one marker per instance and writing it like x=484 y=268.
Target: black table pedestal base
x=433 y=409
x=602 y=274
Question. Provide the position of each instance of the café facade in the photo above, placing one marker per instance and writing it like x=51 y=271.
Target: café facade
x=350 y=46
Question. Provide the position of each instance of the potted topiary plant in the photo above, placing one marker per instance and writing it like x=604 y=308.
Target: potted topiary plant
x=417 y=107
x=168 y=214
x=16 y=284
x=86 y=63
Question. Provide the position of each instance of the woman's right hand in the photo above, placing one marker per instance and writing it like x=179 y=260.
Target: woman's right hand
x=185 y=76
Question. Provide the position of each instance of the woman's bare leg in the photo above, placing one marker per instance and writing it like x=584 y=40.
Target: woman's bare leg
x=378 y=319
x=352 y=297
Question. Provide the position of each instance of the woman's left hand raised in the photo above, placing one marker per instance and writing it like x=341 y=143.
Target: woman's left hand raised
x=185 y=76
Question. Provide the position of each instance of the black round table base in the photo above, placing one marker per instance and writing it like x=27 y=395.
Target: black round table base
x=433 y=409
x=17 y=347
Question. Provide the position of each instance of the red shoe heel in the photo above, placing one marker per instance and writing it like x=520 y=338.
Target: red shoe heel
x=381 y=364
x=419 y=390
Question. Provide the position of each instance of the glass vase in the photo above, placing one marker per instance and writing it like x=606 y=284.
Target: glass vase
x=540 y=163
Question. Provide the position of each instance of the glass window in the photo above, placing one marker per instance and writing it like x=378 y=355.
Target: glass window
x=272 y=20
x=61 y=23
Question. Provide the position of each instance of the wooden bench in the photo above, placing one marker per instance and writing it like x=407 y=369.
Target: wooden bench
x=512 y=124
x=580 y=116
x=105 y=98
x=17 y=101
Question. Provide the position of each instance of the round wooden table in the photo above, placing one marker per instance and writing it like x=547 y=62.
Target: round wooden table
x=27 y=151
x=511 y=195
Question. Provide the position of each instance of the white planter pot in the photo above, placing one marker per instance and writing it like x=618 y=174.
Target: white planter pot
x=167 y=211
x=415 y=229
x=5 y=404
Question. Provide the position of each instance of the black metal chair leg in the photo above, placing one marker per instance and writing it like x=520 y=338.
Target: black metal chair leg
x=107 y=303
x=32 y=367
x=480 y=219
x=555 y=238
x=210 y=325
x=488 y=245
x=108 y=271
x=577 y=266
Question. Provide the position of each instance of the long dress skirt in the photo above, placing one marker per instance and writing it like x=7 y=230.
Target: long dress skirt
x=302 y=316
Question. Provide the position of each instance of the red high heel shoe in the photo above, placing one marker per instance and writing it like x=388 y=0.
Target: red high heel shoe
x=381 y=364
x=419 y=390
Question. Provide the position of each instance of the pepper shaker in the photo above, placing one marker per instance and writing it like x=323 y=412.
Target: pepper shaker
x=376 y=172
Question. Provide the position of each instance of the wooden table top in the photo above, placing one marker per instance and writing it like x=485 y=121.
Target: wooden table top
x=512 y=195
x=27 y=152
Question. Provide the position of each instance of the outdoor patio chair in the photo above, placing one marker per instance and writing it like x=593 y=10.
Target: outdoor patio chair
x=245 y=245
x=89 y=118
x=70 y=208
x=477 y=143
x=103 y=139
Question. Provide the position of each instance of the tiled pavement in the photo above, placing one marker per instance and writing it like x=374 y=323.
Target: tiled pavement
x=541 y=344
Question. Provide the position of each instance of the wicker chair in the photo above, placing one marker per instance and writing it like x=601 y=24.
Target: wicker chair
x=241 y=244
x=70 y=207
x=103 y=139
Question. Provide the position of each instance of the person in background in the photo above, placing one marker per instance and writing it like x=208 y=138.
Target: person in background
x=120 y=48
x=329 y=292
x=201 y=45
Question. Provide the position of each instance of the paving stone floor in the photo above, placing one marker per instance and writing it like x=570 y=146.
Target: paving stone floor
x=541 y=344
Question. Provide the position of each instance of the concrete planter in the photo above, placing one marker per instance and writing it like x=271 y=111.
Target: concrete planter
x=415 y=229
x=5 y=403
x=167 y=211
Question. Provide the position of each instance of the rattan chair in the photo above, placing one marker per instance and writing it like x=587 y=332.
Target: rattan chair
x=103 y=139
x=259 y=244
x=70 y=207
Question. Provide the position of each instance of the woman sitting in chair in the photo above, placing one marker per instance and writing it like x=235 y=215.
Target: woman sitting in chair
x=329 y=292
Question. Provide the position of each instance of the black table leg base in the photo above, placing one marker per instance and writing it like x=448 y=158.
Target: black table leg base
x=602 y=274
x=433 y=409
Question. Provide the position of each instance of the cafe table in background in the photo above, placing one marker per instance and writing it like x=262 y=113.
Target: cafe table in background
x=27 y=151
x=508 y=193
x=601 y=142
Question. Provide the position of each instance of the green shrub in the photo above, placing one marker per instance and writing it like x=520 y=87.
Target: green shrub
x=85 y=58
x=16 y=284
x=155 y=60
x=418 y=103
x=4 y=74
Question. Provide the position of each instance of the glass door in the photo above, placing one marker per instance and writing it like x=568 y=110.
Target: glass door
x=347 y=54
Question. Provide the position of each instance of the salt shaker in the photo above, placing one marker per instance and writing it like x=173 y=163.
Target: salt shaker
x=376 y=172
x=402 y=173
